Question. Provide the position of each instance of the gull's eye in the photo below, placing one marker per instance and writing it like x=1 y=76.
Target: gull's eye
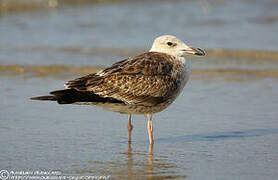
x=170 y=43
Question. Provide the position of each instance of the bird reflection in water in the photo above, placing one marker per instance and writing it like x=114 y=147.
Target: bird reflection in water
x=135 y=164
x=148 y=169
x=150 y=160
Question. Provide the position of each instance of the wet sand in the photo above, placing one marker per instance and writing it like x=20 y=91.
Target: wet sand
x=218 y=62
x=60 y=71
x=222 y=126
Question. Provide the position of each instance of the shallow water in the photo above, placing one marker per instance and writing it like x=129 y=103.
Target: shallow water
x=217 y=129
x=223 y=126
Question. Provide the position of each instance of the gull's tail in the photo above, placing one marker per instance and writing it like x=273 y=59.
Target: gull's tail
x=69 y=96
x=45 y=98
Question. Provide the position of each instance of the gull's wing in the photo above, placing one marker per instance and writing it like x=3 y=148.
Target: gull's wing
x=147 y=79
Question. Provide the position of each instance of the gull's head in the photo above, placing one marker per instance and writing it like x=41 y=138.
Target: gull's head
x=171 y=45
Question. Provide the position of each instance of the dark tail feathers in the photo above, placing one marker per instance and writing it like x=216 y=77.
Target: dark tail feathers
x=44 y=98
x=69 y=96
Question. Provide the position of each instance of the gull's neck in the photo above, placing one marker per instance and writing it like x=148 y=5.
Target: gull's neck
x=166 y=52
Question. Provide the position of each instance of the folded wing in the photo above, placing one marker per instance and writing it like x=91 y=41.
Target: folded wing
x=147 y=79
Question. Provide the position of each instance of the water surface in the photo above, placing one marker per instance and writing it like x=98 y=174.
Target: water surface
x=216 y=129
x=223 y=126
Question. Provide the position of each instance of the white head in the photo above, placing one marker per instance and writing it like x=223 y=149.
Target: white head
x=171 y=45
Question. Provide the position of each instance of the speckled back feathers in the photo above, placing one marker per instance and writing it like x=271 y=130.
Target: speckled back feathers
x=147 y=79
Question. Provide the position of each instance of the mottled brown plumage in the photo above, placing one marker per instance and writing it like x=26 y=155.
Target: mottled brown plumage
x=147 y=79
x=144 y=84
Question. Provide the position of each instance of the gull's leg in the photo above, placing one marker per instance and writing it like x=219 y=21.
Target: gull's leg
x=129 y=128
x=150 y=128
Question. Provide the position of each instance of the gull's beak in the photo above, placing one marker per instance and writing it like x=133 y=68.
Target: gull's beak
x=194 y=51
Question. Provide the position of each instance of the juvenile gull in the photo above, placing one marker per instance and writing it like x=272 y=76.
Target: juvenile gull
x=144 y=84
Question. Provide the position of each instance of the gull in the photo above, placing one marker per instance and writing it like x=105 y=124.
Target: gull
x=144 y=84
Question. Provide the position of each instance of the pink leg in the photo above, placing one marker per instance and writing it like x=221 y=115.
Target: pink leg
x=150 y=128
x=129 y=128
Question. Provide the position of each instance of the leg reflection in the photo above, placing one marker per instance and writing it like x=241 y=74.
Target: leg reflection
x=150 y=161
x=132 y=165
x=150 y=149
x=129 y=160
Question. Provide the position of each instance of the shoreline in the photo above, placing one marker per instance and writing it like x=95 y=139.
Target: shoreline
x=63 y=71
